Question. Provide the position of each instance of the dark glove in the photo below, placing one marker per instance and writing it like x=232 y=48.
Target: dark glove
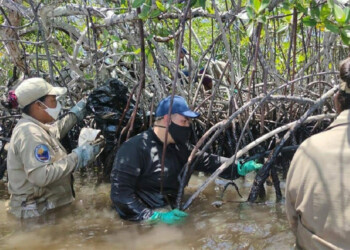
x=172 y=217
x=88 y=152
x=79 y=110
x=248 y=167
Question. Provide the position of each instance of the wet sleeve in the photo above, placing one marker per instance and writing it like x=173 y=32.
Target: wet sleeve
x=126 y=170
x=210 y=162
x=61 y=127
x=291 y=193
x=40 y=165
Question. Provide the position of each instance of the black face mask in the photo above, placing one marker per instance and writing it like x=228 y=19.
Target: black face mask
x=180 y=134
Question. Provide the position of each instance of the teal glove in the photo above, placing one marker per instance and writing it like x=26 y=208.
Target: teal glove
x=248 y=167
x=79 y=110
x=172 y=217
x=87 y=154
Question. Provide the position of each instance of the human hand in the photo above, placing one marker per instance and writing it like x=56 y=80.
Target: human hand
x=172 y=217
x=79 y=110
x=87 y=153
x=248 y=167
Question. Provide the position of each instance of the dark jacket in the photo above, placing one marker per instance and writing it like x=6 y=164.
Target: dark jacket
x=136 y=174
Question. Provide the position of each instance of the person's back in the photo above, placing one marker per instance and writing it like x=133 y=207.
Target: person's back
x=318 y=189
x=318 y=186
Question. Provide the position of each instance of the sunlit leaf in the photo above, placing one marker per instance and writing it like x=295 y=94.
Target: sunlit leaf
x=211 y=10
x=250 y=29
x=288 y=16
x=330 y=3
x=301 y=58
x=160 y=5
x=264 y=4
x=339 y=14
x=325 y=12
x=256 y=5
x=243 y=15
x=149 y=57
x=137 y=3
x=137 y=51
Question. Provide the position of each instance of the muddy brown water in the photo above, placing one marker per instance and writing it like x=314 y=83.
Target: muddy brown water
x=90 y=223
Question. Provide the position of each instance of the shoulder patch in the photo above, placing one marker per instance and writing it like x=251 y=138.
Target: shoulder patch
x=42 y=153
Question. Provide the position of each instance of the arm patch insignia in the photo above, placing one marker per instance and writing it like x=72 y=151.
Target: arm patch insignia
x=42 y=153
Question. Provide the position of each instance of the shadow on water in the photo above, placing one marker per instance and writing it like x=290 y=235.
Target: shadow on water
x=90 y=223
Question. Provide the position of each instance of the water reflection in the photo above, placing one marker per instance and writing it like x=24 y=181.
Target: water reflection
x=90 y=223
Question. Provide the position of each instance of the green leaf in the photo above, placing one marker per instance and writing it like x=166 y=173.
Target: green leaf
x=115 y=38
x=301 y=58
x=149 y=58
x=10 y=73
x=325 y=12
x=160 y=5
x=345 y=37
x=308 y=21
x=282 y=28
x=286 y=5
x=137 y=51
x=202 y=3
x=256 y=5
x=339 y=14
x=243 y=15
x=144 y=12
x=331 y=27
x=347 y=14
x=137 y=3
x=315 y=12
x=211 y=10
x=264 y=4
x=154 y=13
x=250 y=12
x=193 y=2
x=261 y=19
x=301 y=8
x=250 y=29
x=330 y=3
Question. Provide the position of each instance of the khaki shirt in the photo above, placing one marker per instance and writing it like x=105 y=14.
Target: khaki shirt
x=39 y=169
x=318 y=188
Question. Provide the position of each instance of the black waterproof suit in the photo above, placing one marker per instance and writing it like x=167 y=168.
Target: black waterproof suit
x=136 y=174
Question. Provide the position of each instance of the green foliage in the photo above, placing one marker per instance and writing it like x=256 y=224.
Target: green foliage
x=137 y=3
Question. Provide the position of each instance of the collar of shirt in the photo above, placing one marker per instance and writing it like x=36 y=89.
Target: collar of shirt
x=343 y=118
x=44 y=126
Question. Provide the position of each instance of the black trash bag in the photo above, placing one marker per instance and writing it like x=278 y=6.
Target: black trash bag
x=107 y=103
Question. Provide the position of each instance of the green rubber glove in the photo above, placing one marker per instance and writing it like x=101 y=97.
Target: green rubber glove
x=248 y=167
x=172 y=217
x=79 y=110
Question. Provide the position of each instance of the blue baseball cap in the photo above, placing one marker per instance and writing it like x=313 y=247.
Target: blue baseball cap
x=179 y=107
x=183 y=50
